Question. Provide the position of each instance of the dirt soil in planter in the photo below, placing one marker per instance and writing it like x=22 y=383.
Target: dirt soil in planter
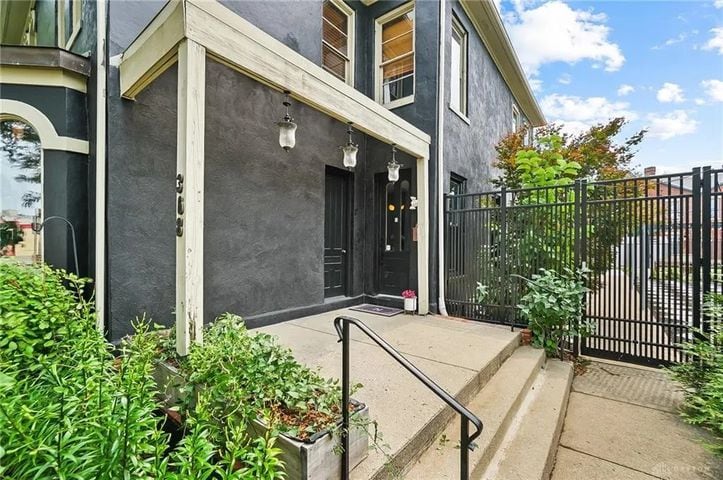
x=309 y=420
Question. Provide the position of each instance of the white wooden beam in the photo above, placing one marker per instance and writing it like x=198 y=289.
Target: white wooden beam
x=239 y=44
x=190 y=164
x=153 y=51
x=423 y=235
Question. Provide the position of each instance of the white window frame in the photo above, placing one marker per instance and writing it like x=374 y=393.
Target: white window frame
x=463 y=108
x=516 y=118
x=76 y=17
x=378 y=77
x=350 y=39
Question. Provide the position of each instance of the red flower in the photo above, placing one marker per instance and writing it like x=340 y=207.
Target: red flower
x=409 y=294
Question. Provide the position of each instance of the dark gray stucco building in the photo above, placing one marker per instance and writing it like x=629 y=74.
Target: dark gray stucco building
x=127 y=96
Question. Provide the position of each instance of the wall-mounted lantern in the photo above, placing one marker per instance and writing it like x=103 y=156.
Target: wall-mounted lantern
x=287 y=127
x=350 y=150
x=393 y=166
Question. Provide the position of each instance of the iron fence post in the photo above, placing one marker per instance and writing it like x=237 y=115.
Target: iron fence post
x=502 y=256
x=345 y=393
x=706 y=239
x=464 y=449
x=695 y=245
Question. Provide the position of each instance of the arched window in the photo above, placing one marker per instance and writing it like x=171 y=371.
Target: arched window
x=20 y=191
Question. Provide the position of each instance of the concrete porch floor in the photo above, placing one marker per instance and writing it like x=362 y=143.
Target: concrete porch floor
x=459 y=355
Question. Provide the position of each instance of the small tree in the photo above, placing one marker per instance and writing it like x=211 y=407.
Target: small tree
x=595 y=150
x=10 y=235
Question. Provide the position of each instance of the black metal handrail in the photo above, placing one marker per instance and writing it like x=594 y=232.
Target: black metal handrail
x=341 y=324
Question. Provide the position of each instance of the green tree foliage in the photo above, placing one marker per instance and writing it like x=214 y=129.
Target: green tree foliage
x=10 y=234
x=596 y=151
x=20 y=145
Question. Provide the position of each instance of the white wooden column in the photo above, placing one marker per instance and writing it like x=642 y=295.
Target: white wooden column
x=190 y=164
x=423 y=235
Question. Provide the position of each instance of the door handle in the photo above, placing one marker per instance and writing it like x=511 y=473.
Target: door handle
x=343 y=251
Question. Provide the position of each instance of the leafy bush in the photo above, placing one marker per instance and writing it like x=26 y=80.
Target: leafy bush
x=553 y=309
x=75 y=411
x=36 y=310
x=249 y=376
x=702 y=376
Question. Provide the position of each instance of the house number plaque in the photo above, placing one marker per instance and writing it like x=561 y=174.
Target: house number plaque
x=179 y=206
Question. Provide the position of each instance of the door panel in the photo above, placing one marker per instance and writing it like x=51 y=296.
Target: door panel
x=336 y=233
x=394 y=232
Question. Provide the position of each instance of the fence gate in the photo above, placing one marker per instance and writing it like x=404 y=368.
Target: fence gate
x=652 y=246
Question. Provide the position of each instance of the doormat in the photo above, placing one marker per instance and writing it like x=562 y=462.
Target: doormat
x=377 y=310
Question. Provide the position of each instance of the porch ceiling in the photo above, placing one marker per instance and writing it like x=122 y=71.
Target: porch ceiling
x=233 y=41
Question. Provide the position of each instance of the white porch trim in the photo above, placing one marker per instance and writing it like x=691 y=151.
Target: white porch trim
x=190 y=164
x=193 y=28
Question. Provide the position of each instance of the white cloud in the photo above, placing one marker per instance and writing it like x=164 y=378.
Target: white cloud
x=699 y=101
x=713 y=88
x=716 y=41
x=671 y=125
x=718 y=3
x=671 y=41
x=535 y=85
x=554 y=32
x=625 y=89
x=670 y=93
x=577 y=114
x=565 y=79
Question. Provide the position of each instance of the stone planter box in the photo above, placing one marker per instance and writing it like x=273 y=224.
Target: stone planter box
x=314 y=459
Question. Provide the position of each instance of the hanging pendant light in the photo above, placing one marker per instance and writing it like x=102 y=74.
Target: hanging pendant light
x=287 y=127
x=393 y=166
x=350 y=150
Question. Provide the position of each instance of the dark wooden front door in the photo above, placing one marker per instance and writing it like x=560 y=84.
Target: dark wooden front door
x=336 y=233
x=394 y=232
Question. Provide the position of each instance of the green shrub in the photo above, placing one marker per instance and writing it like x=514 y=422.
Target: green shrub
x=249 y=376
x=76 y=411
x=37 y=310
x=552 y=307
x=702 y=376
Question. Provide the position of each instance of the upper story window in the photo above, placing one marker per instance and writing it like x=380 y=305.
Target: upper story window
x=458 y=69
x=337 y=46
x=395 y=57
x=516 y=119
x=69 y=16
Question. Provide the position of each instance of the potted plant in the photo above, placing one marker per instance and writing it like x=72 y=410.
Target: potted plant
x=410 y=301
x=246 y=376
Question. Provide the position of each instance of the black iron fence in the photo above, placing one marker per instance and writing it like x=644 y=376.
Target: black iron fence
x=652 y=245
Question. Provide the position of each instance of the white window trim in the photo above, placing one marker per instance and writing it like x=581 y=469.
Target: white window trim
x=463 y=94
x=350 y=38
x=378 y=24
x=76 y=16
x=515 y=115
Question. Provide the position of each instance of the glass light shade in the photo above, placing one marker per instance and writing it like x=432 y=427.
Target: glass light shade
x=287 y=134
x=350 y=151
x=393 y=169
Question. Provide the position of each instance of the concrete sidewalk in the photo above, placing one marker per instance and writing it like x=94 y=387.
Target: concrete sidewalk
x=622 y=424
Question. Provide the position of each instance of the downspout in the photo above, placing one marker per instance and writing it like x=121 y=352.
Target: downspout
x=440 y=156
x=100 y=166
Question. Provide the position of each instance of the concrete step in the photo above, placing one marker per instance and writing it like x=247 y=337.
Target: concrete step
x=421 y=428
x=496 y=405
x=529 y=447
x=461 y=356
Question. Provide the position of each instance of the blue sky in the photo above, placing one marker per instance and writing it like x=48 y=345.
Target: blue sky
x=658 y=63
